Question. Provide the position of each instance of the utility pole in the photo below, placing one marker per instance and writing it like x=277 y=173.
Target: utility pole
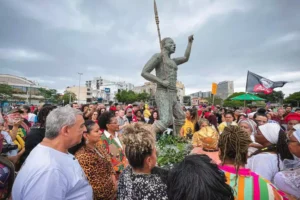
x=79 y=87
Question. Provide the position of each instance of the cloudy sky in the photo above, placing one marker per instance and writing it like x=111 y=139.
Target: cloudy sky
x=51 y=41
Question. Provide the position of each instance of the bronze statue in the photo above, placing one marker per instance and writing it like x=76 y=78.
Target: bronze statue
x=165 y=79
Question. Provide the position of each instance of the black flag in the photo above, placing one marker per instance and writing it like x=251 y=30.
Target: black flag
x=259 y=84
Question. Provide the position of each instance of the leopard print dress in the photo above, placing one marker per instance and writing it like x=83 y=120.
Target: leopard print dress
x=98 y=170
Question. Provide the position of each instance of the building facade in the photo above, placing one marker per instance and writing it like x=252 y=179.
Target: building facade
x=150 y=88
x=24 y=90
x=201 y=94
x=83 y=94
x=104 y=90
x=225 y=89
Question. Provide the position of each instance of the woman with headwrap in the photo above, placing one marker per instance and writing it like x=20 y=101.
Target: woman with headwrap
x=289 y=179
x=206 y=142
x=249 y=126
x=268 y=160
x=292 y=119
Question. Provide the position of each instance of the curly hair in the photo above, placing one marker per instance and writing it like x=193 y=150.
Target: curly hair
x=139 y=143
x=42 y=115
x=197 y=177
x=233 y=144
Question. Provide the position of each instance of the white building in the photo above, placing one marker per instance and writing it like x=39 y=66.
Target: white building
x=106 y=90
x=201 y=94
x=225 y=89
x=150 y=88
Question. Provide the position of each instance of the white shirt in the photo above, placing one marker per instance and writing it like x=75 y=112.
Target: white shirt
x=107 y=134
x=265 y=165
x=50 y=174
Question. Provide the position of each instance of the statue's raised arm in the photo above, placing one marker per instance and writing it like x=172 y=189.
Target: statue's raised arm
x=185 y=58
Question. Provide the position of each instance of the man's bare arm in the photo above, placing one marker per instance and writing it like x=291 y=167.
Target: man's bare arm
x=187 y=53
x=149 y=67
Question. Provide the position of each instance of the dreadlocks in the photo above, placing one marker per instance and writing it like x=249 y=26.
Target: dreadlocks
x=233 y=144
x=281 y=149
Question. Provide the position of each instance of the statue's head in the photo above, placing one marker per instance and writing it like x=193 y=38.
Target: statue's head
x=169 y=45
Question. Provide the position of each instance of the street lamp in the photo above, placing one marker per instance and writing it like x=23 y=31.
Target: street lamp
x=79 y=87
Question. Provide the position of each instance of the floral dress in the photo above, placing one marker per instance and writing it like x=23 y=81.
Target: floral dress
x=116 y=152
x=142 y=186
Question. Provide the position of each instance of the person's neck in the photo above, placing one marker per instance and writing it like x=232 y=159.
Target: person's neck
x=56 y=144
x=267 y=144
x=91 y=145
x=141 y=171
x=231 y=163
x=113 y=133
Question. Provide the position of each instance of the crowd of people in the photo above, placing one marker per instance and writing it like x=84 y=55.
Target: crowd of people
x=97 y=152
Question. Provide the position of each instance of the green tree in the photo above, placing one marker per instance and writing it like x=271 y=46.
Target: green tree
x=217 y=100
x=66 y=97
x=50 y=95
x=274 y=97
x=143 y=96
x=6 y=89
x=231 y=103
x=234 y=95
x=130 y=96
x=293 y=99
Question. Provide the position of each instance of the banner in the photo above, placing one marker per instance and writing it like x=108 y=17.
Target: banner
x=214 y=88
x=259 y=84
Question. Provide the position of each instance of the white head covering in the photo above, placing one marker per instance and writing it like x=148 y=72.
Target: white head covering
x=270 y=131
x=296 y=133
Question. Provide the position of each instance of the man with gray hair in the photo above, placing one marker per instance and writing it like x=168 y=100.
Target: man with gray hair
x=50 y=172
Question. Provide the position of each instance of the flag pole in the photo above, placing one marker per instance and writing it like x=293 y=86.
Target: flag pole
x=246 y=91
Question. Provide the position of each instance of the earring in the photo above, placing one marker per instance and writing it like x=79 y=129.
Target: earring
x=86 y=141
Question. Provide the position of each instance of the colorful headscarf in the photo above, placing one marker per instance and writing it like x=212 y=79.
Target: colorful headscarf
x=292 y=116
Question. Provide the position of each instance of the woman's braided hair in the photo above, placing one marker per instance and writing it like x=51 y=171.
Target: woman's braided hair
x=233 y=144
x=139 y=143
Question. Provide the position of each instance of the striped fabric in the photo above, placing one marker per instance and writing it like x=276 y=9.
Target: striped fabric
x=250 y=186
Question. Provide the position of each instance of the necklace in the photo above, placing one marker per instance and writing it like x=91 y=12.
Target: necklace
x=99 y=154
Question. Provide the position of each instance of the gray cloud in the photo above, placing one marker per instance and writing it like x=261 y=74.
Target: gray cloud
x=51 y=41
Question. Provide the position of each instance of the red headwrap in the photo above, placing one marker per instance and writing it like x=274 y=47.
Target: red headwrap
x=292 y=116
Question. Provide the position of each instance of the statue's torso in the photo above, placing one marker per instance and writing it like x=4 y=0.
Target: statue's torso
x=167 y=71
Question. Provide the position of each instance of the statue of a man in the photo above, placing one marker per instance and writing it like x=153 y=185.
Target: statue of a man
x=165 y=79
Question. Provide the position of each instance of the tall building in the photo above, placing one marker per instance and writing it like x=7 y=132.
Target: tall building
x=150 y=88
x=201 y=94
x=105 y=90
x=225 y=89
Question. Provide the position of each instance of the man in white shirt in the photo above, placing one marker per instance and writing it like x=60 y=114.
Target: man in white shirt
x=50 y=172
x=122 y=120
